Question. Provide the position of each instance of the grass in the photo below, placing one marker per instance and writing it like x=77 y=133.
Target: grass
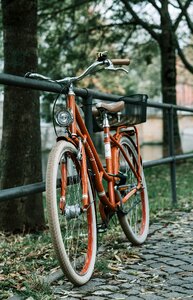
x=159 y=188
x=24 y=260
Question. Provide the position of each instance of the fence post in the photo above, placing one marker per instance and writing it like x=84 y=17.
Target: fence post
x=87 y=102
x=172 y=154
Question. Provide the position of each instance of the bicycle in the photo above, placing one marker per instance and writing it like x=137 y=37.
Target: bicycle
x=75 y=176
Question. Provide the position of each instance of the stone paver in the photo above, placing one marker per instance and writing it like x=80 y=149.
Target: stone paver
x=162 y=268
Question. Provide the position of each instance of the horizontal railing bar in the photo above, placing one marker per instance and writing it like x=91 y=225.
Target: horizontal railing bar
x=39 y=187
x=166 y=160
x=184 y=156
x=23 y=82
x=157 y=162
x=21 y=191
x=30 y=189
x=169 y=106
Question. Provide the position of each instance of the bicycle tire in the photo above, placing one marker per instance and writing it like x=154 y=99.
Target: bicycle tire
x=73 y=233
x=134 y=219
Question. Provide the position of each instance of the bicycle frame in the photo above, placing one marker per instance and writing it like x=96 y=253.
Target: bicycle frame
x=75 y=175
x=81 y=138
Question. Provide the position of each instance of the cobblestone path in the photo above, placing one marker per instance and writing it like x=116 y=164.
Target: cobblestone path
x=160 y=269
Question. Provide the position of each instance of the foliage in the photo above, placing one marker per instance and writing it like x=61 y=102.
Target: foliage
x=64 y=36
x=72 y=33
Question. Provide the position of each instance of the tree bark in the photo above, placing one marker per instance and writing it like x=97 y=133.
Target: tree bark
x=21 y=142
x=168 y=77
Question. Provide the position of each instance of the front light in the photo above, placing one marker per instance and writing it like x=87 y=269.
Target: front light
x=64 y=118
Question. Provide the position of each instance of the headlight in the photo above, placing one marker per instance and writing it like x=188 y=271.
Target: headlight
x=64 y=118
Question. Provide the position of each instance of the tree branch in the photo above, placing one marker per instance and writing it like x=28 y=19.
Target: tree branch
x=155 y=5
x=104 y=26
x=188 y=66
x=172 y=4
x=90 y=30
x=139 y=21
x=183 y=13
x=66 y=8
x=126 y=40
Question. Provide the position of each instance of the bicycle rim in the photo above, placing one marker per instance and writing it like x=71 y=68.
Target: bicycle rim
x=134 y=218
x=73 y=231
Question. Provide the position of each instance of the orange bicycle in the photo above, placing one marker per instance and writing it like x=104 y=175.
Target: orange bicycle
x=75 y=180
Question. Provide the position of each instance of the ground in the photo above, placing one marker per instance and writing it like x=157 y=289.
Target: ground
x=162 y=268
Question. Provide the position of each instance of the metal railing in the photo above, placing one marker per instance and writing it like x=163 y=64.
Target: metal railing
x=88 y=95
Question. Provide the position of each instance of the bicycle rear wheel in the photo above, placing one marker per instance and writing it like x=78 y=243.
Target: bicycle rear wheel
x=134 y=219
x=73 y=231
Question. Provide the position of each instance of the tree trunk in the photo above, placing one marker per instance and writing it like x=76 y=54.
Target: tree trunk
x=21 y=143
x=168 y=77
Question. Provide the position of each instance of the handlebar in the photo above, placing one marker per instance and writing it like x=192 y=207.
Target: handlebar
x=102 y=60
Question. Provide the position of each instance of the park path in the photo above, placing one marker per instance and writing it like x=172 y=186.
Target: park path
x=160 y=269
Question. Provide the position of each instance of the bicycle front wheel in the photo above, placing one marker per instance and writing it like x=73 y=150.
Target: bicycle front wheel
x=72 y=229
x=134 y=219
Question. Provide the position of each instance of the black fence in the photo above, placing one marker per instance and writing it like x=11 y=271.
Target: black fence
x=88 y=95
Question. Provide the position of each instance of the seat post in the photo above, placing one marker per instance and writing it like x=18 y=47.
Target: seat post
x=107 y=141
x=108 y=155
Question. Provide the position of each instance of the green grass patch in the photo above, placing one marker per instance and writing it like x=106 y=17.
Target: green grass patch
x=159 y=188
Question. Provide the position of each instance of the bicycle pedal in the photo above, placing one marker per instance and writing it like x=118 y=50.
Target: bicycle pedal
x=101 y=228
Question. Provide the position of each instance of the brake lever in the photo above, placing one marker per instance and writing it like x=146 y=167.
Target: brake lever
x=38 y=76
x=112 y=68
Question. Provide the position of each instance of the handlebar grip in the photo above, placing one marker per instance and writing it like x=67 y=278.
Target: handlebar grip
x=121 y=61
